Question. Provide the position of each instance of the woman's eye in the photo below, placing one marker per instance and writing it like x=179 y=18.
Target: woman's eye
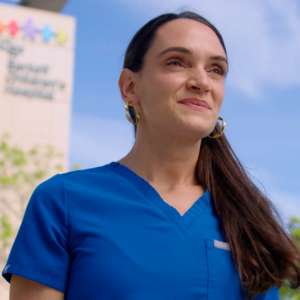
x=219 y=70
x=175 y=62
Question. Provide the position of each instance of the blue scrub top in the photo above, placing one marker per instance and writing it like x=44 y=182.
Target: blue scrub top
x=106 y=233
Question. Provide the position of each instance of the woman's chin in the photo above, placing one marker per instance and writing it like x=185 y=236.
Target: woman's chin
x=193 y=132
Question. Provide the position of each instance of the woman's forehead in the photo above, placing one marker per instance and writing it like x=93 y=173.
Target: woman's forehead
x=189 y=34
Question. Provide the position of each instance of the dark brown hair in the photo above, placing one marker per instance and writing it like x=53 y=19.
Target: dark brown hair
x=264 y=253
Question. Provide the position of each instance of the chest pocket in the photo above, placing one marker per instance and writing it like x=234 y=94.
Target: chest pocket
x=223 y=277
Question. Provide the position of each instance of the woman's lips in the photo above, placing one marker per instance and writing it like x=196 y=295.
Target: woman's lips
x=196 y=104
x=195 y=107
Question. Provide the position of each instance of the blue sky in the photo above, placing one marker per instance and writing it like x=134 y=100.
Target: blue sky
x=261 y=104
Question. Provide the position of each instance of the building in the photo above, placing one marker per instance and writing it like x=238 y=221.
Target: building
x=36 y=74
x=36 y=79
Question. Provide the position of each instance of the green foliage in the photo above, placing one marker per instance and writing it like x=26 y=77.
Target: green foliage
x=286 y=293
x=6 y=229
x=294 y=228
x=20 y=171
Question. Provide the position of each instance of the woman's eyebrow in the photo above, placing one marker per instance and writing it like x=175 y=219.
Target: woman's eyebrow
x=187 y=51
x=177 y=49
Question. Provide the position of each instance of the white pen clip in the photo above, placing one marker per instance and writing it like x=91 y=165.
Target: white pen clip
x=221 y=245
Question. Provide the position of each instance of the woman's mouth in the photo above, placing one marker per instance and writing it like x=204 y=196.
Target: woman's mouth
x=195 y=104
x=197 y=107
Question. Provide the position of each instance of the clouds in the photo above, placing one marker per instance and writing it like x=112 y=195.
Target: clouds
x=261 y=36
x=286 y=203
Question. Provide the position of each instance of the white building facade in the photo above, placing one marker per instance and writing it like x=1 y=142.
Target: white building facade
x=36 y=79
x=36 y=76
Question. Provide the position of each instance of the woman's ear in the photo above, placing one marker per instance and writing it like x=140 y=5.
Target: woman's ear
x=127 y=85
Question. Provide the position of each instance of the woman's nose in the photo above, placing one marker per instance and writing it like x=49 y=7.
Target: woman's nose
x=199 y=80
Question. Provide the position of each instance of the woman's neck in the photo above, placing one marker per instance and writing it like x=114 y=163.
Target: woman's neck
x=166 y=165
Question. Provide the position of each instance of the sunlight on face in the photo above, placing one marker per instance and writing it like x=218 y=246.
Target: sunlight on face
x=186 y=59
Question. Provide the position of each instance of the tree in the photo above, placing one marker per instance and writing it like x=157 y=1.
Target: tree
x=287 y=293
x=20 y=171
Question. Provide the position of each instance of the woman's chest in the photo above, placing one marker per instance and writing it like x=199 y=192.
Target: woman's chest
x=151 y=258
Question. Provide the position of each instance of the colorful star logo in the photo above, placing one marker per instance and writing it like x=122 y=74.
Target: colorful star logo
x=47 y=33
x=2 y=27
x=61 y=37
x=29 y=29
x=13 y=28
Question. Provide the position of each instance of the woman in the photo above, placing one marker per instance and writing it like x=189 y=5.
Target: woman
x=177 y=217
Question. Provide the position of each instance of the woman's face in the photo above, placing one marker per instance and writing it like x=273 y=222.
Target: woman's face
x=197 y=71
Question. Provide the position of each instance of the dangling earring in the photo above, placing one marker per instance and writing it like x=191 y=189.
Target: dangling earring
x=219 y=129
x=132 y=115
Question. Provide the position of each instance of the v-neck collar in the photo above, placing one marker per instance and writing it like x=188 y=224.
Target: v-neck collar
x=151 y=193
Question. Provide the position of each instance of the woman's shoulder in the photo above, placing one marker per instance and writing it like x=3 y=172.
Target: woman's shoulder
x=57 y=183
x=92 y=171
x=76 y=176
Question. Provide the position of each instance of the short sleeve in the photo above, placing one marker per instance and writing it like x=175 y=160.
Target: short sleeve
x=40 y=251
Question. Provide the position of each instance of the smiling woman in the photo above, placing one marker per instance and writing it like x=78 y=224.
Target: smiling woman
x=177 y=217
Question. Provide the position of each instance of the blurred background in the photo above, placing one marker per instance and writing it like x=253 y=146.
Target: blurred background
x=61 y=109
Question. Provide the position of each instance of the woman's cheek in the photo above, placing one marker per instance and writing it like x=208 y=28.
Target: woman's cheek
x=218 y=95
